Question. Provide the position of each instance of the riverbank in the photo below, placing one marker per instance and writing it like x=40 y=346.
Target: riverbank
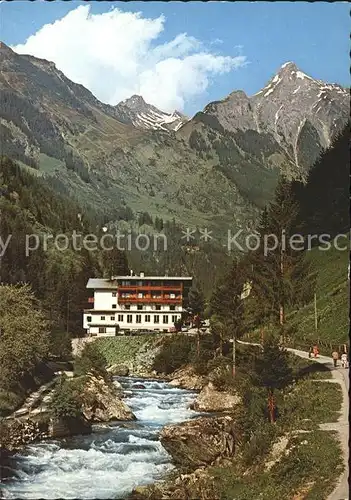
x=65 y=407
x=312 y=462
x=111 y=461
x=132 y=455
x=294 y=458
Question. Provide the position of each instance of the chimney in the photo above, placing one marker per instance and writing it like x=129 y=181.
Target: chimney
x=131 y=272
x=142 y=275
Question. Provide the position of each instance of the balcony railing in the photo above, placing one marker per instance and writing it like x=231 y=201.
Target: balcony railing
x=126 y=288
x=150 y=300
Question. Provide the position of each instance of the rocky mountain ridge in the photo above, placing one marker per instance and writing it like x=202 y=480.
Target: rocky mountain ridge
x=293 y=107
x=137 y=112
x=217 y=170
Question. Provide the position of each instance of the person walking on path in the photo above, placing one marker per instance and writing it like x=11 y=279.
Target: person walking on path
x=315 y=351
x=335 y=356
x=344 y=362
x=310 y=352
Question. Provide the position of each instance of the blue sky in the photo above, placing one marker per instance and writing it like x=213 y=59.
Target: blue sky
x=313 y=35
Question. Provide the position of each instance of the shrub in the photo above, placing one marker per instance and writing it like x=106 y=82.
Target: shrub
x=175 y=352
x=207 y=347
x=90 y=360
x=65 y=402
x=252 y=413
x=259 y=444
x=221 y=362
x=9 y=401
x=60 y=345
x=200 y=366
x=223 y=380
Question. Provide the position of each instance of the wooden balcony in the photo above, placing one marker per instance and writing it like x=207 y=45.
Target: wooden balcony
x=134 y=299
x=147 y=288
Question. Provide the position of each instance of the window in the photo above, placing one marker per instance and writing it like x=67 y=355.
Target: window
x=158 y=308
x=138 y=318
x=102 y=318
x=156 y=318
x=140 y=308
x=102 y=329
x=147 y=318
x=129 y=318
x=174 y=318
x=165 y=318
x=114 y=306
x=112 y=318
x=172 y=308
x=114 y=294
x=120 y=317
x=89 y=319
x=127 y=307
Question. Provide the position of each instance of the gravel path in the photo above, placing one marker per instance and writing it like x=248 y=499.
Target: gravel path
x=340 y=376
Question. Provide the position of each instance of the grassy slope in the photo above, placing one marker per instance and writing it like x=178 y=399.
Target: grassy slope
x=332 y=300
x=118 y=350
x=313 y=462
x=309 y=471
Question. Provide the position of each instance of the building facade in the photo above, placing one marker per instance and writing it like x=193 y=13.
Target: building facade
x=134 y=302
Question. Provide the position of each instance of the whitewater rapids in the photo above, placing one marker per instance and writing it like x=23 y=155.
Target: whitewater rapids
x=111 y=461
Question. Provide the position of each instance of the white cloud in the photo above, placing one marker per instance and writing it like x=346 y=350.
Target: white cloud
x=116 y=54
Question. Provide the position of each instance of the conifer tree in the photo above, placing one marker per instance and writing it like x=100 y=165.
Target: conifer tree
x=196 y=301
x=114 y=263
x=272 y=371
x=227 y=305
x=196 y=307
x=280 y=273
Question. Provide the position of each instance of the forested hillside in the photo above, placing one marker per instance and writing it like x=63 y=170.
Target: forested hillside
x=28 y=206
x=32 y=205
x=217 y=170
x=324 y=200
x=325 y=209
x=42 y=291
x=302 y=292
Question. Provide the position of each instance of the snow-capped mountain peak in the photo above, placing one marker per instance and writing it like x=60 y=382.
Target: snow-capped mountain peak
x=293 y=107
x=137 y=112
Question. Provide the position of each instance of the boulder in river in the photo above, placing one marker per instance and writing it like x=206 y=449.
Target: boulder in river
x=101 y=402
x=138 y=386
x=119 y=370
x=197 y=484
x=212 y=400
x=118 y=386
x=187 y=378
x=69 y=427
x=199 y=442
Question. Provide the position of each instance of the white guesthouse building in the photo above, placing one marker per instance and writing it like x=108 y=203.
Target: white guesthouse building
x=135 y=303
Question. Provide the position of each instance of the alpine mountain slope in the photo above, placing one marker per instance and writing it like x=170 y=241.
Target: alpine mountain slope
x=217 y=169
